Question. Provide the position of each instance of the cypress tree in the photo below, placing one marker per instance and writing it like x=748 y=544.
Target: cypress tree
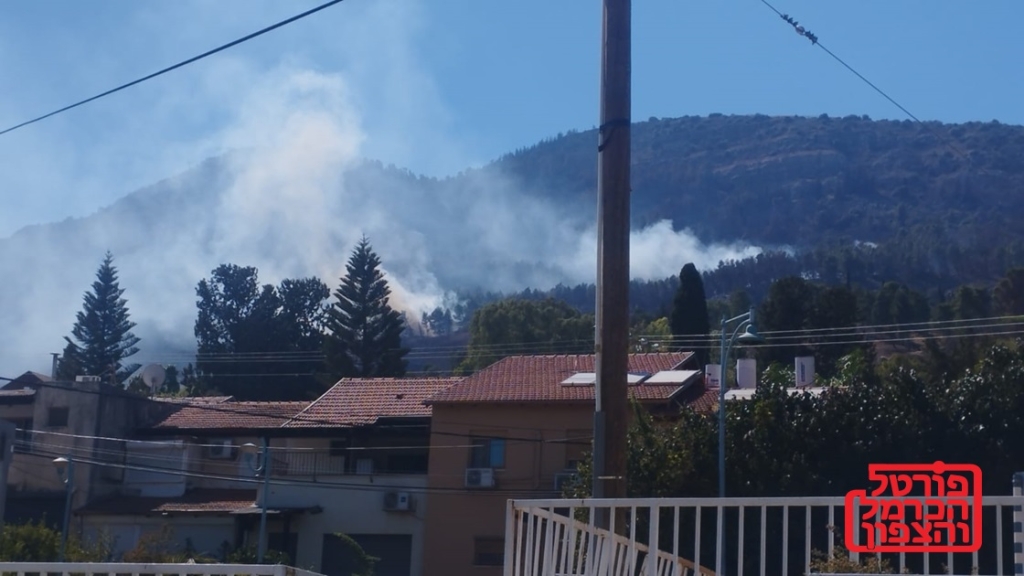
x=102 y=332
x=364 y=332
x=689 y=318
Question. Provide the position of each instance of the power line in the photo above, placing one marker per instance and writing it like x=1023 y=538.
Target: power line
x=373 y=487
x=534 y=348
x=814 y=40
x=176 y=66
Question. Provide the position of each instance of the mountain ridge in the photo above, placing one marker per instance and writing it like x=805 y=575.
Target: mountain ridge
x=527 y=218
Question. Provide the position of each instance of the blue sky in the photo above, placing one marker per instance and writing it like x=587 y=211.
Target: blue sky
x=439 y=86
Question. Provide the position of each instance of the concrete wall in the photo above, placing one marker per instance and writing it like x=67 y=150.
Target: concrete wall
x=17 y=412
x=94 y=411
x=7 y=430
x=35 y=472
x=172 y=454
x=535 y=452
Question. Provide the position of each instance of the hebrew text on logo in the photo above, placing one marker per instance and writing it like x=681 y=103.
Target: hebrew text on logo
x=916 y=508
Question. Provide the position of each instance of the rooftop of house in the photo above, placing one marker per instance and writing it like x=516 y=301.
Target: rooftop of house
x=17 y=392
x=654 y=377
x=364 y=401
x=211 y=501
x=194 y=399
x=26 y=380
x=228 y=415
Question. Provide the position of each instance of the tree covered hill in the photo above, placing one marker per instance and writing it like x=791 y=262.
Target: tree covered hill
x=816 y=185
x=799 y=181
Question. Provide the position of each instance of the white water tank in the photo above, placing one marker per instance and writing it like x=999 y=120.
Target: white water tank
x=712 y=375
x=805 y=371
x=746 y=372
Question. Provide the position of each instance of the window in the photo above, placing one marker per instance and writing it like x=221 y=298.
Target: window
x=57 y=417
x=488 y=552
x=487 y=453
x=339 y=448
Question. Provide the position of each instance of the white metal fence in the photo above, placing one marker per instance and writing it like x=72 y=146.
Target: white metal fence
x=117 y=569
x=764 y=536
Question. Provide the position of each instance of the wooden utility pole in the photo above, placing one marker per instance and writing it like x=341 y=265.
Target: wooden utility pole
x=612 y=329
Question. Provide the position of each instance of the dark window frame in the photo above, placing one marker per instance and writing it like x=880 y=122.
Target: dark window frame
x=482 y=453
x=339 y=448
x=60 y=414
x=488 y=558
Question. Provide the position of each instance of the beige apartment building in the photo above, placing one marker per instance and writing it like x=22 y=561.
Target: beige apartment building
x=517 y=429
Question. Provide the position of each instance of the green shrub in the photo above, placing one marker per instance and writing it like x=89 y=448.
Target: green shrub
x=361 y=563
x=37 y=542
x=249 y=555
x=841 y=563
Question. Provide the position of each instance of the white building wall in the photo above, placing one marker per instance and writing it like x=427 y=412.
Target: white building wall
x=145 y=456
x=355 y=508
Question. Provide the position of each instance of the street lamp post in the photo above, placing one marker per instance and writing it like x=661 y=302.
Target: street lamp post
x=262 y=468
x=749 y=336
x=66 y=472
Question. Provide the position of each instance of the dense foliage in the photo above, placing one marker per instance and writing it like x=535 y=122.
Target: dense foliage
x=259 y=342
x=36 y=542
x=780 y=444
x=794 y=181
x=516 y=326
x=102 y=332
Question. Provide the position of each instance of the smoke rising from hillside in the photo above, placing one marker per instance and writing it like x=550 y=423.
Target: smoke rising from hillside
x=293 y=201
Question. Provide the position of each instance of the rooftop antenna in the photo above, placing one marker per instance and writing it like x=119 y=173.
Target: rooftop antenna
x=153 y=376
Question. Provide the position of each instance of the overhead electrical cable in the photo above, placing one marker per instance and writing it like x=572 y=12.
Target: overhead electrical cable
x=814 y=40
x=176 y=66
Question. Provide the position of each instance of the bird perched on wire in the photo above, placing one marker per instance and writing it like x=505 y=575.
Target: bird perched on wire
x=800 y=29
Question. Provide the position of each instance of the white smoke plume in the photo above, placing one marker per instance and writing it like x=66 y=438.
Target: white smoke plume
x=293 y=200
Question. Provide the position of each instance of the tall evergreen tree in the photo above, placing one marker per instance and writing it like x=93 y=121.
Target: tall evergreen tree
x=102 y=332
x=364 y=332
x=689 y=316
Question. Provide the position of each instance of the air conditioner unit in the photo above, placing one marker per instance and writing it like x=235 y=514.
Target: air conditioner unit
x=564 y=478
x=397 y=502
x=479 y=478
x=220 y=449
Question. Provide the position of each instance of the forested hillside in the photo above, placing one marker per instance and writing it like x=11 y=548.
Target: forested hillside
x=842 y=201
x=804 y=181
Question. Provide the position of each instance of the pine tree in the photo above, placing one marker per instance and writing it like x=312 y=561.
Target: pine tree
x=102 y=332
x=689 y=316
x=364 y=332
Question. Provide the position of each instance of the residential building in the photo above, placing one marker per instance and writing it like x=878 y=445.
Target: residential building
x=352 y=462
x=518 y=429
x=60 y=419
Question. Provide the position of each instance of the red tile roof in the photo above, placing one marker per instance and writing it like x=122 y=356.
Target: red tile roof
x=699 y=397
x=202 y=501
x=539 y=379
x=230 y=415
x=363 y=401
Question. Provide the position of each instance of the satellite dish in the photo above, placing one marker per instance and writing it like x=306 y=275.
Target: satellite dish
x=153 y=376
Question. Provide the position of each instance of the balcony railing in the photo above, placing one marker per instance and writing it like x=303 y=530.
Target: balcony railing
x=765 y=536
x=112 y=569
x=317 y=463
